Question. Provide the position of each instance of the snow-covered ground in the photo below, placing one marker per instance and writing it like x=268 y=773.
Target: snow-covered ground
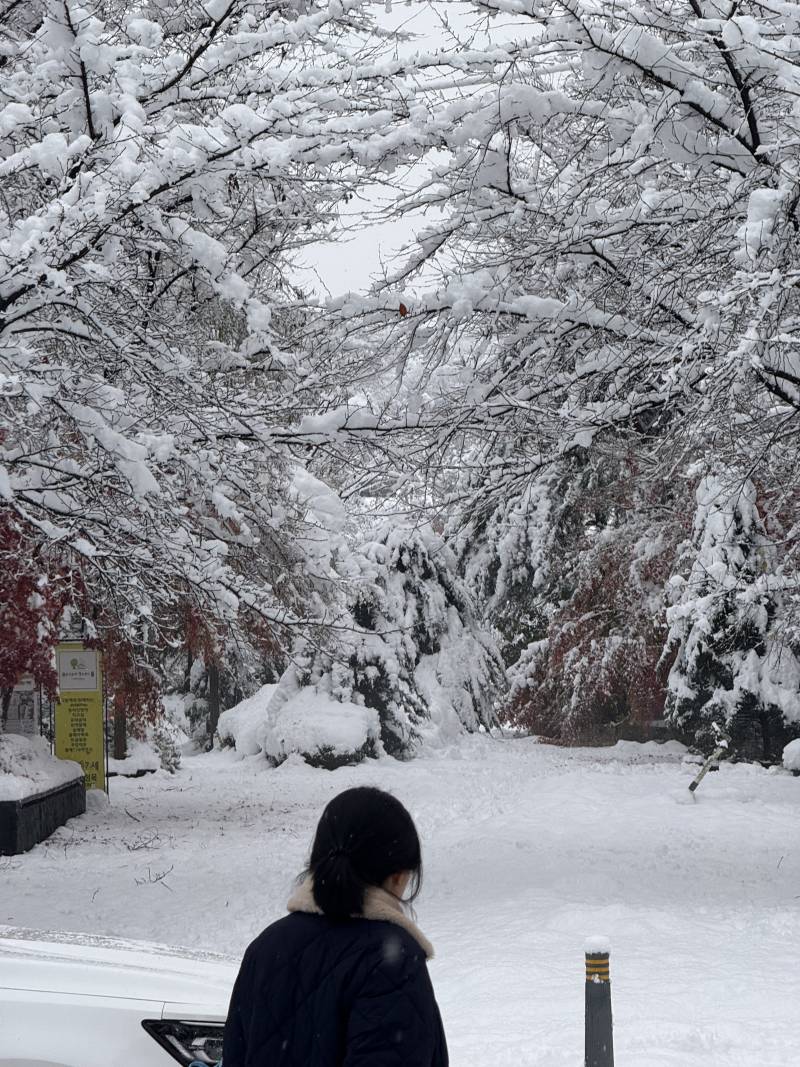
x=529 y=850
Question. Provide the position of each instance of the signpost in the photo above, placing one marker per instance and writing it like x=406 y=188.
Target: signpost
x=79 y=710
x=23 y=715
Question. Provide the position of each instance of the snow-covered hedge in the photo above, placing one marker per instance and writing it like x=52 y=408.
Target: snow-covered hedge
x=141 y=758
x=27 y=767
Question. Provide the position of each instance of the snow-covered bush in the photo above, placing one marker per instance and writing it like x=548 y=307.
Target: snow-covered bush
x=241 y=726
x=166 y=741
x=285 y=720
x=140 y=758
x=326 y=733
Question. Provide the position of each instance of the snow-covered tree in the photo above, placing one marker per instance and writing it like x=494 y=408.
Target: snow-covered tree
x=161 y=162
x=620 y=215
x=34 y=592
x=572 y=573
x=609 y=254
x=416 y=652
x=733 y=667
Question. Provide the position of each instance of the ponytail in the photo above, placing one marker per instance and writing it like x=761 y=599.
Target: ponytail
x=338 y=891
x=364 y=836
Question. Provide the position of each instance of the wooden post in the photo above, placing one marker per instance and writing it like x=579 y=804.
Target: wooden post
x=599 y=1026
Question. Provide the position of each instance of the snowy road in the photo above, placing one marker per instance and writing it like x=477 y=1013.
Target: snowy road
x=529 y=849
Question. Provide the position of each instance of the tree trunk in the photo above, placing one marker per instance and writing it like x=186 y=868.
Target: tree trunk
x=213 y=700
x=120 y=730
x=4 y=706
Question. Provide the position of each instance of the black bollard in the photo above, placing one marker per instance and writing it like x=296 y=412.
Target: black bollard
x=599 y=1027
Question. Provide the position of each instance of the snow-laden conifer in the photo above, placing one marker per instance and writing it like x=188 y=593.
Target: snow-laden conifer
x=415 y=652
x=734 y=667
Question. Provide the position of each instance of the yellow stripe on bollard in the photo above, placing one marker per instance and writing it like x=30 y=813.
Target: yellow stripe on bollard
x=597 y=968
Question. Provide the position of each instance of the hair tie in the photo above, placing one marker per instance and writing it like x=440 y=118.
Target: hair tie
x=335 y=853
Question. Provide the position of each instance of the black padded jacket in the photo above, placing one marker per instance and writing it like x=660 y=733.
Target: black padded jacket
x=316 y=993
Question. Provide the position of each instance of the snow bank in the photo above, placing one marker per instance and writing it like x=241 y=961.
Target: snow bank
x=632 y=750
x=27 y=767
x=239 y=727
x=325 y=732
x=791 y=756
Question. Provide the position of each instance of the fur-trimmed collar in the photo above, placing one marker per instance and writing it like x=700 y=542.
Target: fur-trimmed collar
x=378 y=905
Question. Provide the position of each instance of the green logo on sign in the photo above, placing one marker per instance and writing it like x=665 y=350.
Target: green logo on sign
x=74 y=664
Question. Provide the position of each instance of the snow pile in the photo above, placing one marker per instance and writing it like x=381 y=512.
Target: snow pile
x=239 y=727
x=325 y=732
x=596 y=945
x=791 y=756
x=140 y=759
x=27 y=767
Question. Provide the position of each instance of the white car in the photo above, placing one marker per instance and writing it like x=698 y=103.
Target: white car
x=75 y=1000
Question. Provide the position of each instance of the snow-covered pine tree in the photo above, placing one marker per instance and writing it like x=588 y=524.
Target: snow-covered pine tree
x=416 y=653
x=732 y=666
x=437 y=648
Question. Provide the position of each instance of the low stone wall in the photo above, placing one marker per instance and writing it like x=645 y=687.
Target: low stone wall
x=24 y=823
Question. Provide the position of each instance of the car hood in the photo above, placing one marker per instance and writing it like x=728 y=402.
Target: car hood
x=90 y=965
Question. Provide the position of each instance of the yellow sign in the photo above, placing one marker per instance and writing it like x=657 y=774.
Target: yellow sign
x=79 y=711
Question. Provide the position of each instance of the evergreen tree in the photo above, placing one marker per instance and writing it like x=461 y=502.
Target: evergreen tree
x=416 y=652
x=731 y=667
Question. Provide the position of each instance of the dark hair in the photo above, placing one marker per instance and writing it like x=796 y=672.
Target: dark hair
x=364 y=836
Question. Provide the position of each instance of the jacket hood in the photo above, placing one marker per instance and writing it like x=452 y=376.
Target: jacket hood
x=378 y=905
